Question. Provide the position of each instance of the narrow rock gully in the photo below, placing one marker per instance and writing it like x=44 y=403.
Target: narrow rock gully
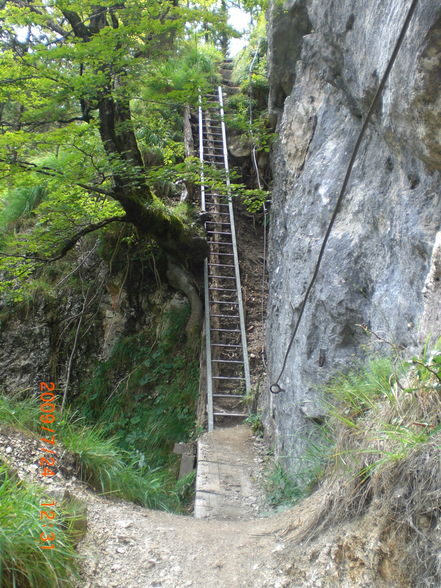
x=230 y=542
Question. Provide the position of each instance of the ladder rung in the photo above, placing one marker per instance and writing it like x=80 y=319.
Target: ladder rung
x=218 y=233
x=226 y=361
x=224 y=345
x=228 y=395
x=226 y=330
x=231 y=414
x=219 y=243
x=224 y=289
x=220 y=264
x=232 y=316
x=223 y=302
x=216 y=222
x=227 y=378
x=228 y=243
x=224 y=277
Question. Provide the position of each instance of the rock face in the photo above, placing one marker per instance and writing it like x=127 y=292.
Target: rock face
x=66 y=335
x=382 y=263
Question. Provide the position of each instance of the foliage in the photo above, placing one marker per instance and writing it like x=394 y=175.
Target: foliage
x=253 y=199
x=247 y=109
x=89 y=99
x=100 y=459
x=251 y=64
x=182 y=78
x=162 y=375
x=382 y=412
x=280 y=489
x=250 y=74
x=22 y=414
x=18 y=203
x=153 y=405
x=257 y=131
x=108 y=468
x=256 y=424
x=360 y=388
x=22 y=561
x=428 y=365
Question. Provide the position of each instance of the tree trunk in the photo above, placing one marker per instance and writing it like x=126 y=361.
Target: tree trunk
x=132 y=192
x=181 y=280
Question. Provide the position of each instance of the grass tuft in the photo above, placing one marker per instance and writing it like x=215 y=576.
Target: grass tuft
x=385 y=422
x=19 y=414
x=22 y=561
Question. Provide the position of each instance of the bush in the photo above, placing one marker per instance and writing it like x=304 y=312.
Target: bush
x=361 y=388
x=106 y=467
x=280 y=489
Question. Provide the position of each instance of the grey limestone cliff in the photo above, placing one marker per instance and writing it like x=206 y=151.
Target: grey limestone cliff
x=382 y=265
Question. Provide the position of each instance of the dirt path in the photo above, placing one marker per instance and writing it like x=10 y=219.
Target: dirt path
x=127 y=546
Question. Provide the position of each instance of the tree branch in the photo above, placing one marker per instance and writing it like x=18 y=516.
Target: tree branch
x=71 y=242
x=79 y=28
x=50 y=23
x=48 y=122
x=51 y=172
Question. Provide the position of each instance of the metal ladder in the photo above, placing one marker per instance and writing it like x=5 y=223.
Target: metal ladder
x=228 y=372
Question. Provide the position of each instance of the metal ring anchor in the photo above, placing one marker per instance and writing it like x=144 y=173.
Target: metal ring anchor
x=276 y=389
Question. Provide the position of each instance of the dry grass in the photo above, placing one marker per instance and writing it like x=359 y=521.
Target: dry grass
x=387 y=464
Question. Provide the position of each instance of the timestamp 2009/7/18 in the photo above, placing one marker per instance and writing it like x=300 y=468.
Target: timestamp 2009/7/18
x=48 y=460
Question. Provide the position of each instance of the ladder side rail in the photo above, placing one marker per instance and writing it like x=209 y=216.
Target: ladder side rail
x=210 y=411
x=201 y=151
x=208 y=350
x=236 y=258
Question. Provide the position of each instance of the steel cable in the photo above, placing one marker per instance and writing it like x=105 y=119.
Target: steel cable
x=275 y=388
